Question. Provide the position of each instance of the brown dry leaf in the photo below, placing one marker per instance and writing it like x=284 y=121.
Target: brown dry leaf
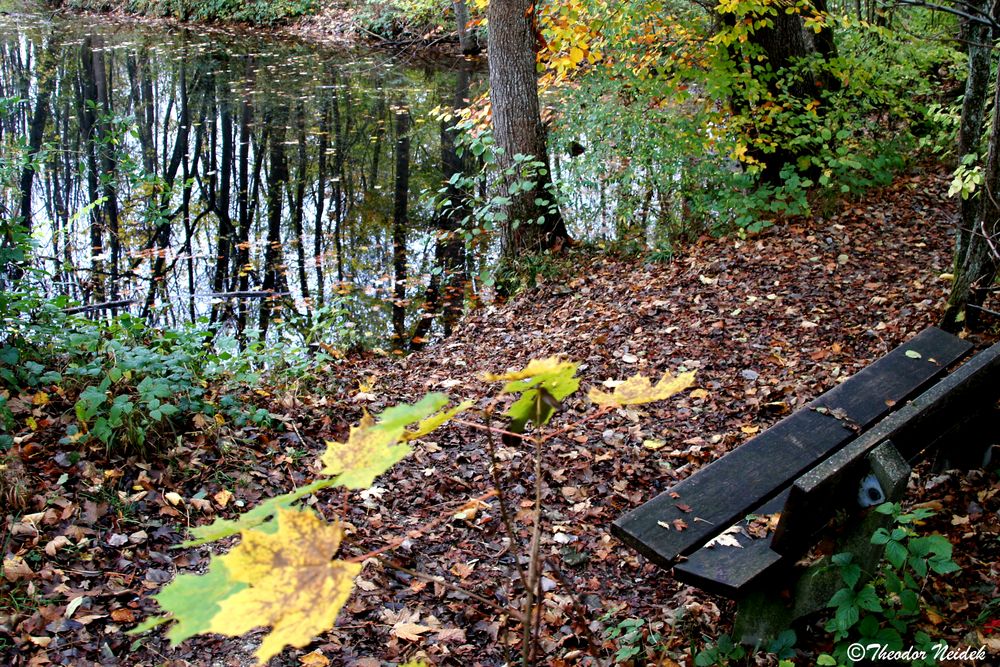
x=57 y=543
x=123 y=616
x=15 y=569
x=409 y=631
x=456 y=635
x=462 y=570
x=201 y=504
x=314 y=659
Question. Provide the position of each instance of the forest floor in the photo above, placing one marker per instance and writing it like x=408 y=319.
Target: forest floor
x=768 y=323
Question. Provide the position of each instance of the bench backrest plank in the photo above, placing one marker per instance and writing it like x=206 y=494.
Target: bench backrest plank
x=716 y=496
x=971 y=389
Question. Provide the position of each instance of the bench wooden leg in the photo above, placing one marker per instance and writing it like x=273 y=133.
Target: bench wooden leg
x=775 y=605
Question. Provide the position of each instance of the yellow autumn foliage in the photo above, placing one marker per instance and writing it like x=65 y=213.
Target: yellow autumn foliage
x=639 y=389
x=292 y=583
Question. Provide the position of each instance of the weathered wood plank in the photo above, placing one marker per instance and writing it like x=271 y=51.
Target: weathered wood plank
x=872 y=392
x=730 y=487
x=972 y=388
x=729 y=570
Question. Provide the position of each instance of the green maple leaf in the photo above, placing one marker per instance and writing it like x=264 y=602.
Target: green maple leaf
x=193 y=600
x=543 y=383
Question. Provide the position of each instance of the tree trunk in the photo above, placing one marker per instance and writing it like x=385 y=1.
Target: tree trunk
x=770 y=50
x=399 y=224
x=977 y=250
x=275 y=279
x=87 y=104
x=466 y=38
x=36 y=130
x=517 y=127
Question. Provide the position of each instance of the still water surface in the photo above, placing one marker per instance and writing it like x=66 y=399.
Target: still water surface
x=181 y=173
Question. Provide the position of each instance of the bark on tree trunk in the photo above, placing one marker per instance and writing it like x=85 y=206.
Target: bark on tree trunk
x=399 y=222
x=518 y=130
x=976 y=268
x=275 y=279
x=36 y=130
x=466 y=38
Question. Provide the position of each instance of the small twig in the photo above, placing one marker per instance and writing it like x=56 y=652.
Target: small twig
x=504 y=513
x=492 y=429
x=436 y=521
x=435 y=579
x=99 y=306
x=577 y=605
x=569 y=427
x=983 y=310
x=534 y=571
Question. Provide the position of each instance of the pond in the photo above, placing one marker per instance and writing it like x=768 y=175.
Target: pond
x=183 y=175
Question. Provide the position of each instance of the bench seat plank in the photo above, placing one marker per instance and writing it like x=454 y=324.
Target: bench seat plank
x=754 y=473
x=728 y=488
x=727 y=570
x=894 y=378
x=812 y=499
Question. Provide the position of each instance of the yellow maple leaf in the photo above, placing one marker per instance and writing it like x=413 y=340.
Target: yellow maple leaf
x=368 y=452
x=639 y=389
x=547 y=366
x=292 y=583
x=434 y=421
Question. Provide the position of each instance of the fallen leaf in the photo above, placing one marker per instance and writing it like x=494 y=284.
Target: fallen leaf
x=123 y=616
x=73 y=605
x=223 y=497
x=726 y=538
x=314 y=659
x=409 y=631
x=15 y=569
x=57 y=543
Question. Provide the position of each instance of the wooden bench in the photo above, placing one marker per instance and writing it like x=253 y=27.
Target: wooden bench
x=810 y=464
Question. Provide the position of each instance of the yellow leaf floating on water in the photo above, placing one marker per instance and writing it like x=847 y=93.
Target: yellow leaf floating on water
x=292 y=583
x=639 y=389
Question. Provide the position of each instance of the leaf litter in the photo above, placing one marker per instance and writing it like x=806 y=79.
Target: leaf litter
x=764 y=324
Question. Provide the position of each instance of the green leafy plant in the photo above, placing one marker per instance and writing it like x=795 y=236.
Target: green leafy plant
x=724 y=651
x=631 y=637
x=881 y=611
x=968 y=177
